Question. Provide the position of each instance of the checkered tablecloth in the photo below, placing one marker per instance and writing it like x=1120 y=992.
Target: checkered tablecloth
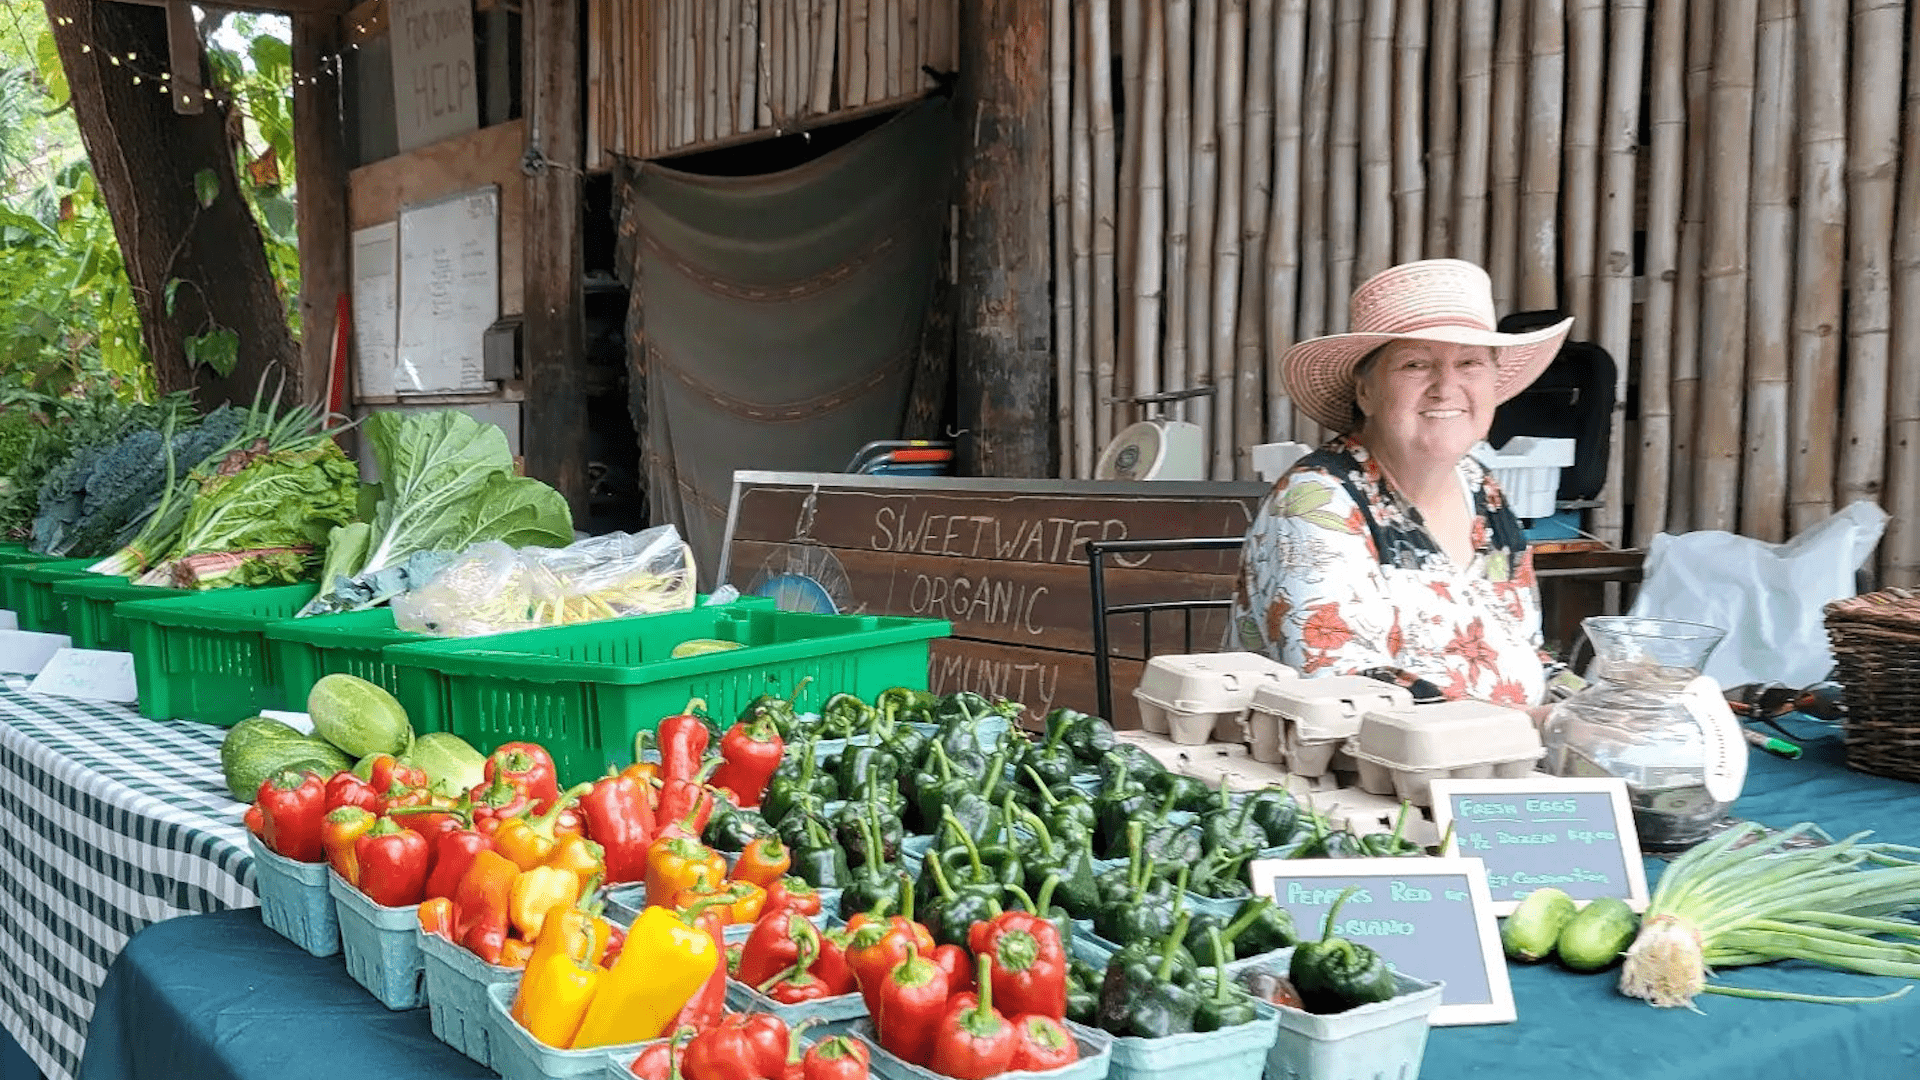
x=108 y=822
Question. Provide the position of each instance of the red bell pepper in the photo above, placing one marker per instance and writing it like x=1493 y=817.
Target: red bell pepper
x=750 y=1047
x=792 y=894
x=1029 y=964
x=912 y=999
x=836 y=1057
x=795 y=988
x=957 y=963
x=750 y=752
x=774 y=946
x=976 y=1042
x=387 y=773
x=393 y=864
x=683 y=743
x=688 y=801
x=453 y=854
x=345 y=825
x=480 y=905
x=1040 y=1043
x=709 y=1003
x=768 y=1040
x=255 y=820
x=528 y=767
x=831 y=967
x=661 y=1060
x=293 y=806
x=498 y=798
x=620 y=818
x=346 y=789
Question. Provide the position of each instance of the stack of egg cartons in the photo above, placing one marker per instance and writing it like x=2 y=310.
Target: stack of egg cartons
x=1304 y=723
x=1402 y=751
x=1199 y=697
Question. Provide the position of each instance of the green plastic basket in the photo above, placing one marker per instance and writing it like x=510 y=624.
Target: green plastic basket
x=585 y=691
x=300 y=651
x=90 y=602
x=204 y=656
x=29 y=591
x=17 y=553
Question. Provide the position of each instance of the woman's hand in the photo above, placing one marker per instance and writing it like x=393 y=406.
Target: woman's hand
x=1539 y=715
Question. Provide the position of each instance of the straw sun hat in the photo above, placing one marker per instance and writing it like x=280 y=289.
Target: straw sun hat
x=1434 y=300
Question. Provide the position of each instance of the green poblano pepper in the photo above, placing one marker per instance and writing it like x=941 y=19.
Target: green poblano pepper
x=1392 y=845
x=901 y=705
x=1231 y=929
x=818 y=860
x=1328 y=843
x=868 y=832
x=844 y=715
x=1187 y=793
x=1070 y=866
x=1271 y=929
x=1139 y=996
x=1277 y=814
x=732 y=829
x=1229 y=1005
x=1224 y=826
x=1130 y=760
x=953 y=909
x=1050 y=762
x=1333 y=974
x=779 y=710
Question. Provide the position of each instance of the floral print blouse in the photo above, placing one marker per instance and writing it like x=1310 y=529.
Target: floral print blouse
x=1340 y=576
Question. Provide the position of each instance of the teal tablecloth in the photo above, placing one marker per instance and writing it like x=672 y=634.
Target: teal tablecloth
x=1577 y=1027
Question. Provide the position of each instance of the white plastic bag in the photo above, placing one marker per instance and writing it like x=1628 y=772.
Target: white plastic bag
x=491 y=588
x=1767 y=597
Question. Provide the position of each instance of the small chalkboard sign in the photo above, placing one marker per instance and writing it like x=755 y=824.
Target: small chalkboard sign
x=1430 y=918
x=1573 y=833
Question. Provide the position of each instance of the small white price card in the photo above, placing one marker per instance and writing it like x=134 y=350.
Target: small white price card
x=8 y=620
x=24 y=652
x=89 y=674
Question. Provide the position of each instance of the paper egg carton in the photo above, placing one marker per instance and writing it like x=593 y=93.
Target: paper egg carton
x=1195 y=697
x=1305 y=722
x=1402 y=751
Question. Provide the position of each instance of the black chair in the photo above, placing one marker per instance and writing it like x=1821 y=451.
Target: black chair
x=1097 y=550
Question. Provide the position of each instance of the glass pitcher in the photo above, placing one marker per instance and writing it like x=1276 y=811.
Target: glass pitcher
x=1637 y=721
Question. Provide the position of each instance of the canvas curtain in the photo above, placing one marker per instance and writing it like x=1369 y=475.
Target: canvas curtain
x=776 y=319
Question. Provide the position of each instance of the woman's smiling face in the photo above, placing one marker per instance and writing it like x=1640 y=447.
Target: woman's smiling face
x=1431 y=399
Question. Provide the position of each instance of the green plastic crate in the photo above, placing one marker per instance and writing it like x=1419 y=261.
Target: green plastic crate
x=29 y=591
x=300 y=651
x=17 y=553
x=585 y=691
x=90 y=604
x=204 y=656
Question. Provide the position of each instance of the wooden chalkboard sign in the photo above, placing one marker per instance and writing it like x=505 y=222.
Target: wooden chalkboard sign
x=1004 y=561
x=1575 y=834
x=1430 y=918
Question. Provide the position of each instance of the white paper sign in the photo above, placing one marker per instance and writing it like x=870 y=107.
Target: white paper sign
x=25 y=652
x=376 y=319
x=298 y=721
x=90 y=674
x=8 y=620
x=434 y=92
x=449 y=291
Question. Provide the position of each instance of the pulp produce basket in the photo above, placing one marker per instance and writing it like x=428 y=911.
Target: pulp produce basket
x=456 y=986
x=585 y=691
x=294 y=902
x=1096 y=1055
x=381 y=945
x=29 y=591
x=1876 y=650
x=1384 y=1040
x=91 y=619
x=1235 y=1053
x=300 y=651
x=517 y=1055
x=204 y=657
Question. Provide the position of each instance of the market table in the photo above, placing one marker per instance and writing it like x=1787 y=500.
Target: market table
x=108 y=822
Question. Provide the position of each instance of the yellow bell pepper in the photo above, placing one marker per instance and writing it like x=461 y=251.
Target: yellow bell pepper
x=580 y=855
x=577 y=930
x=663 y=964
x=538 y=892
x=528 y=841
x=555 y=994
x=677 y=864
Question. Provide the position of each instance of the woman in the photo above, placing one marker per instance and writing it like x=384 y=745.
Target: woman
x=1389 y=552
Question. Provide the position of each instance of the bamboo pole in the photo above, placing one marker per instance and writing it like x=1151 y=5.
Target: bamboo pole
x=909 y=46
x=1408 y=67
x=1872 y=156
x=709 y=91
x=1667 y=117
x=1256 y=187
x=827 y=34
x=1132 y=19
x=1206 y=178
x=1084 y=403
x=1613 y=298
x=853 y=54
x=1230 y=85
x=1540 y=170
x=1149 y=257
x=1820 y=262
x=1901 y=558
x=687 y=73
x=1375 y=252
x=1343 y=165
x=1060 y=72
x=896 y=43
x=1100 y=58
x=1283 y=221
x=1580 y=156
x=1503 y=239
x=1763 y=468
x=1179 y=65
x=1315 y=269
x=1681 y=514
x=1723 y=301
x=877 y=49
x=598 y=35
x=1444 y=92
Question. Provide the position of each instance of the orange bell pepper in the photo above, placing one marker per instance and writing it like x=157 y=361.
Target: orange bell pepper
x=536 y=894
x=338 y=832
x=515 y=953
x=481 y=905
x=436 y=916
x=528 y=841
x=579 y=856
x=738 y=902
x=578 y=930
x=764 y=862
x=678 y=863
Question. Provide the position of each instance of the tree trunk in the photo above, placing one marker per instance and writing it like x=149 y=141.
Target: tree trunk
x=1004 y=369
x=145 y=157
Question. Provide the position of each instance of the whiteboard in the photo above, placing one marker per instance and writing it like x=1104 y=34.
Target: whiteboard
x=376 y=262
x=449 y=291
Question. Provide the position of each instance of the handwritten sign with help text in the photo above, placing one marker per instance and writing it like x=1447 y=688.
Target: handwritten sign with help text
x=1430 y=918
x=434 y=92
x=1574 y=834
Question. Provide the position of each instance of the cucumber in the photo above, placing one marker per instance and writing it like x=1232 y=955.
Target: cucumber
x=1595 y=937
x=357 y=716
x=1530 y=932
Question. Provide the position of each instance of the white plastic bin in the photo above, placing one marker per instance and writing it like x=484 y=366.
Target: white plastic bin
x=1304 y=722
x=1528 y=471
x=1193 y=697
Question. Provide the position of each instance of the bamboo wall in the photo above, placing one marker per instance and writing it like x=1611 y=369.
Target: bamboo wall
x=1725 y=194
x=671 y=76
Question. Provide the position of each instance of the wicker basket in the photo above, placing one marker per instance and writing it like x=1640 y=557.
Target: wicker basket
x=1876 y=649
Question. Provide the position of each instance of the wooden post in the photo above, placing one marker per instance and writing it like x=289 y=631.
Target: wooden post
x=1821 y=261
x=1763 y=471
x=1667 y=115
x=554 y=418
x=183 y=59
x=1613 y=299
x=1540 y=168
x=1178 y=55
x=1872 y=155
x=321 y=175
x=1901 y=558
x=1003 y=363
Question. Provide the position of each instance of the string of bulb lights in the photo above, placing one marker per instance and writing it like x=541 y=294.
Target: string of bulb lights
x=332 y=66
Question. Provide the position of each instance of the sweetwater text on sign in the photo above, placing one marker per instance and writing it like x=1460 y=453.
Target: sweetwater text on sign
x=434 y=92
